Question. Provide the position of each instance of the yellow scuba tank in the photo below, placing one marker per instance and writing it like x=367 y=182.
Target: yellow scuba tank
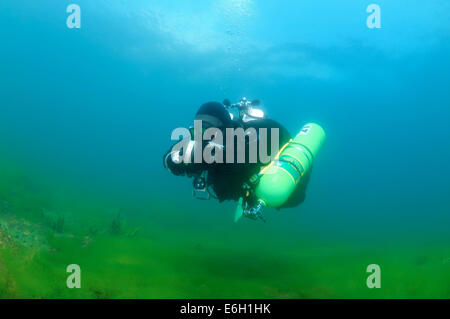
x=279 y=179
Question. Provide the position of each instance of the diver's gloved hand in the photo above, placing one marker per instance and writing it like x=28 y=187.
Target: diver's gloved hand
x=175 y=167
x=255 y=212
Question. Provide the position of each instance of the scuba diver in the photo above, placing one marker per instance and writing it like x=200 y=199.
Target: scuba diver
x=280 y=182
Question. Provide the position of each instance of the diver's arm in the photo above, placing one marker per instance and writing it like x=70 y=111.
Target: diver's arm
x=171 y=166
x=175 y=164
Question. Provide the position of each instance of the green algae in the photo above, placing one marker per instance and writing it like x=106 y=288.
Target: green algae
x=122 y=255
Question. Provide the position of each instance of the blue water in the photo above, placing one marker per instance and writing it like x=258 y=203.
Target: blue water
x=94 y=107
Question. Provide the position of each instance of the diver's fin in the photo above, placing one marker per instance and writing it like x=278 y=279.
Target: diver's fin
x=239 y=210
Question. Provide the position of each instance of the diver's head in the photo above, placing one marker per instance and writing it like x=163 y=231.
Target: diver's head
x=214 y=114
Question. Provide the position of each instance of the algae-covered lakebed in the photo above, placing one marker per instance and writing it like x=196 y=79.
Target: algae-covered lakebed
x=124 y=255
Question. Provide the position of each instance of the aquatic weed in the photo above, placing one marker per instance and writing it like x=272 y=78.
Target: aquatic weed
x=55 y=221
x=116 y=227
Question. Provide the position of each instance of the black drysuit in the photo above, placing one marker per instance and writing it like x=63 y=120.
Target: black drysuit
x=226 y=179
